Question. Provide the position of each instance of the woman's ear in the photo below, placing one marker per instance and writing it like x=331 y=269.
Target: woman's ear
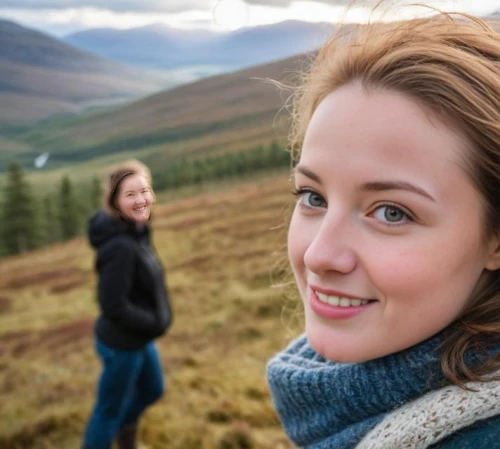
x=493 y=261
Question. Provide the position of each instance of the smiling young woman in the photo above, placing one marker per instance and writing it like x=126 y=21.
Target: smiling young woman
x=134 y=308
x=387 y=190
x=395 y=241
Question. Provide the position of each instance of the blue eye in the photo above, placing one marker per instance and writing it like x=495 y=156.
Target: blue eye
x=391 y=214
x=309 y=198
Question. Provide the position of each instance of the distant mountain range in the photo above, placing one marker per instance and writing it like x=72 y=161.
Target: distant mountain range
x=193 y=54
x=161 y=47
x=41 y=76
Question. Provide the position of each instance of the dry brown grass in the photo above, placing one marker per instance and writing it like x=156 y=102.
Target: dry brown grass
x=223 y=251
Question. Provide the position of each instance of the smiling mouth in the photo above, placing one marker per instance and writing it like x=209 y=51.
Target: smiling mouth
x=140 y=209
x=340 y=301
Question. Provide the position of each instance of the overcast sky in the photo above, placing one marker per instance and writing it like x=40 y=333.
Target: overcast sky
x=60 y=17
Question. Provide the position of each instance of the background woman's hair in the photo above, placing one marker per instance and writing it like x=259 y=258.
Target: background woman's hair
x=450 y=64
x=116 y=175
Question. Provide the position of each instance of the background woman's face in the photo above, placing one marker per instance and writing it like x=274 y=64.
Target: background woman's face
x=386 y=239
x=134 y=199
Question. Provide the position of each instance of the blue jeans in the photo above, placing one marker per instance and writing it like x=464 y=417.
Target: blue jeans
x=130 y=381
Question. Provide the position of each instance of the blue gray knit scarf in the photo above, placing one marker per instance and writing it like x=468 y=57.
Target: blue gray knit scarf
x=325 y=405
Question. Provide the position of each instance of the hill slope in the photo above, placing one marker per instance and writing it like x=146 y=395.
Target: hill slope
x=41 y=76
x=222 y=113
x=215 y=99
x=220 y=254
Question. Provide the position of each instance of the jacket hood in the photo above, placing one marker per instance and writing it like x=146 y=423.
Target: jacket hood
x=102 y=227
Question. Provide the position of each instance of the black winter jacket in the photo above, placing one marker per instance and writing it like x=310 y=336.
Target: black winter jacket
x=132 y=296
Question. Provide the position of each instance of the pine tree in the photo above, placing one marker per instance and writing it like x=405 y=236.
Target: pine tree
x=51 y=225
x=95 y=194
x=18 y=214
x=68 y=210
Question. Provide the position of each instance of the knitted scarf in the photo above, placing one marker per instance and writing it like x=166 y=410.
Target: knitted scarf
x=438 y=414
x=324 y=405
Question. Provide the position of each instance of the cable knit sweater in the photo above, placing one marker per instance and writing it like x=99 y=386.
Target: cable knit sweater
x=394 y=402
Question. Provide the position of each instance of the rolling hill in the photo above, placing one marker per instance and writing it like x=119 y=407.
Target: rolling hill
x=229 y=112
x=192 y=107
x=41 y=76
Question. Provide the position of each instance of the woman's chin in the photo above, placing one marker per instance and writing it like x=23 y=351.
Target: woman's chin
x=141 y=218
x=334 y=346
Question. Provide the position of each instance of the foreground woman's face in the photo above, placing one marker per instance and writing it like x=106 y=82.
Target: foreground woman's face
x=386 y=239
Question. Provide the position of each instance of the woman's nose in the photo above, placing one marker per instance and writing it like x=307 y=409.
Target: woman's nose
x=332 y=247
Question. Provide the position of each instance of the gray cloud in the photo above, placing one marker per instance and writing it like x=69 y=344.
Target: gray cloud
x=491 y=4
x=174 y=6
x=279 y=3
x=170 y=6
x=284 y=3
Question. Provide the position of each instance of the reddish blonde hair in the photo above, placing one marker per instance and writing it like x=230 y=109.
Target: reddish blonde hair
x=451 y=65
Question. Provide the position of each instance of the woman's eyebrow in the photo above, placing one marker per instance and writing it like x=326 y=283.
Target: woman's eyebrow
x=375 y=186
x=306 y=172
x=379 y=186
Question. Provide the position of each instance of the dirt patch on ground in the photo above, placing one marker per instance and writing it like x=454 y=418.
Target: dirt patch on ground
x=42 y=277
x=20 y=342
x=67 y=286
x=184 y=224
x=66 y=334
x=5 y=304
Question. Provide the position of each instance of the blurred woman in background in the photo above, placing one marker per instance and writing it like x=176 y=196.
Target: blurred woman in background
x=134 y=308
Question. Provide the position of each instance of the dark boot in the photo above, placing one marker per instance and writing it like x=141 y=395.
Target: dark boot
x=126 y=437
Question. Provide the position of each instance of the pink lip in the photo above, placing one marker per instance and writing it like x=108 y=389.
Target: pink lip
x=334 y=312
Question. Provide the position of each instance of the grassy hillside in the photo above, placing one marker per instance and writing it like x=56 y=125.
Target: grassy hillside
x=190 y=110
x=224 y=256
x=230 y=112
x=41 y=76
x=31 y=93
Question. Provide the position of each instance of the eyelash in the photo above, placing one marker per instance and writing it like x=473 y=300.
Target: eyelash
x=299 y=192
x=143 y=192
x=408 y=217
